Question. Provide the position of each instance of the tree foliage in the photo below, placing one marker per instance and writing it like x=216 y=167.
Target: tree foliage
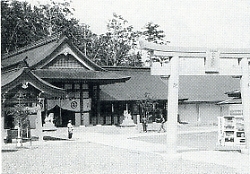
x=153 y=34
x=23 y=24
x=120 y=39
x=147 y=106
x=20 y=25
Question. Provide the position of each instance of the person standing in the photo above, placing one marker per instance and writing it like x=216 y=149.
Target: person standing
x=162 y=124
x=70 y=129
x=144 y=124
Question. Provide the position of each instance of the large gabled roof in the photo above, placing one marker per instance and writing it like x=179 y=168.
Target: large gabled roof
x=40 y=55
x=38 y=52
x=194 y=88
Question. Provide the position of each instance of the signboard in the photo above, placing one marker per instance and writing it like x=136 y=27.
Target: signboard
x=212 y=61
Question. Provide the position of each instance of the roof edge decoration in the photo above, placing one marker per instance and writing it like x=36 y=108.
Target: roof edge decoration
x=12 y=79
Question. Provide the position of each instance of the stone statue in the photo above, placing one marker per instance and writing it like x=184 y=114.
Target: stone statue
x=49 y=125
x=127 y=119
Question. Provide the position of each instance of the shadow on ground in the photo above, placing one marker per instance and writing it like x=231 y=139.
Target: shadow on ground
x=50 y=138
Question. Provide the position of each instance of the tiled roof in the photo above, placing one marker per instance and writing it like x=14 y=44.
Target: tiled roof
x=32 y=53
x=195 y=88
x=7 y=78
x=141 y=82
x=11 y=79
x=102 y=77
x=207 y=88
x=41 y=50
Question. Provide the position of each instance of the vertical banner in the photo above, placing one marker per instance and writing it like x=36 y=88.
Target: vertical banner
x=212 y=61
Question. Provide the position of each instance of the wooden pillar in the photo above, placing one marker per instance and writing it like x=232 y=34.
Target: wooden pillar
x=45 y=107
x=245 y=95
x=112 y=114
x=2 y=117
x=60 y=111
x=81 y=106
x=173 y=85
x=98 y=105
x=2 y=124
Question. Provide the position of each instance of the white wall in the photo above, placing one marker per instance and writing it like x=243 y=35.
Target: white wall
x=188 y=113
x=209 y=113
x=203 y=113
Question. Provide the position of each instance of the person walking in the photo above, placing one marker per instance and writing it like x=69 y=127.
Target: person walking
x=162 y=124
x=70 y=129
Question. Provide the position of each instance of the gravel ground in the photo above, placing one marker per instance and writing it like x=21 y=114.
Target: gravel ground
x=198 y=141
x=79 y=157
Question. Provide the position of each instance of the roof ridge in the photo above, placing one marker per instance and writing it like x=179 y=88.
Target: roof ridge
x=33 y=45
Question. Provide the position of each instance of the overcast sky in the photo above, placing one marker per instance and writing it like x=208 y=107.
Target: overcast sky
x=196 y=23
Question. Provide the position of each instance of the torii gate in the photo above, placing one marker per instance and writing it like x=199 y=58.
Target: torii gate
x=212 y=58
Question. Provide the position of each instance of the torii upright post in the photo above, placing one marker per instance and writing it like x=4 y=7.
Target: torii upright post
x=173 y=85
x=39 y=123
x=245 y=95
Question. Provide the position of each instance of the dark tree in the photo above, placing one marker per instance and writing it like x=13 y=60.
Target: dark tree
x=152 y=33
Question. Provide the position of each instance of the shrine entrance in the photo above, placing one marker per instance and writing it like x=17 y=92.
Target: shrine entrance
x=166 y=61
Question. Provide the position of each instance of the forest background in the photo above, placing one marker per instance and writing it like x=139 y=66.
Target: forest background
x=23 y=23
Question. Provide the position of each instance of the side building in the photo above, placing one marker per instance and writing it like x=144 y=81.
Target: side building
x=198 y=95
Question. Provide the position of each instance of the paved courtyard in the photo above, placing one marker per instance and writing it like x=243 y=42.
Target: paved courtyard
x=110 y=149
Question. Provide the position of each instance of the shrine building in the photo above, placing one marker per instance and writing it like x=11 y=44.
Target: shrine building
x=199 y=95
x=55 y=74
